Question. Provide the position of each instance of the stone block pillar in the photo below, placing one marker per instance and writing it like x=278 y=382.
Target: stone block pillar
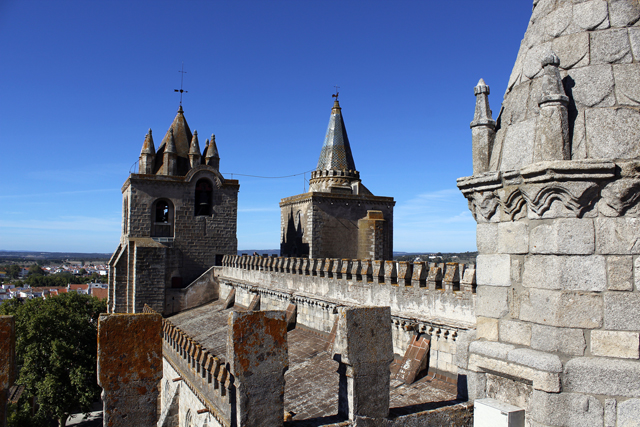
x=7 y=362
x=258 y=356
x=372 y=235
x=363 y=346
x=130 y=368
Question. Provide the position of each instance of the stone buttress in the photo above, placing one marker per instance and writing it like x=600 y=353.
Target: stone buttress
x=555 y=194
x=339 y=217
x=179 y=218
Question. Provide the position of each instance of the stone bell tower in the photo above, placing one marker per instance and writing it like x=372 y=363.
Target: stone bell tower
x=339 y=217
x=555 y=192
x=179 y=218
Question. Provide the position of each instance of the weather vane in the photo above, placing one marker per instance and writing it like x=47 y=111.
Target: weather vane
x=181 y=81
x=337 y=93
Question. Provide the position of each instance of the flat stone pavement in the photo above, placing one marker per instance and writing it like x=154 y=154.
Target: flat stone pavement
x=311 y=390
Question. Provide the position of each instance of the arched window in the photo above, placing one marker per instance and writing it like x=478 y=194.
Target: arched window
x=204 y=197
x=162 y=219
x=162 y=212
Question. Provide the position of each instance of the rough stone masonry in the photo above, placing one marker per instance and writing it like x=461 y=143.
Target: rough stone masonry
x=555 y=194
x=130 y=368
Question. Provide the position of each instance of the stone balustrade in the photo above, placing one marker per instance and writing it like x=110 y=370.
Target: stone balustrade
x=448 y=277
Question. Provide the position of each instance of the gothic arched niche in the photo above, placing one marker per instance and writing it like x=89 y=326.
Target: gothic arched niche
x=292 y=240
x=188 y=421
x=203 y=198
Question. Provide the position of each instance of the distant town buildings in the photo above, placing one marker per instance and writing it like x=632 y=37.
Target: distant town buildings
x=12 y=290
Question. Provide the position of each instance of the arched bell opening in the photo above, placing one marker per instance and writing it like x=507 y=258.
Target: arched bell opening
x=203 y=198
x=162 y=218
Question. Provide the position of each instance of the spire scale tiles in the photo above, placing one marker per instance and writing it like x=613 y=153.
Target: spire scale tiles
x=336 y=151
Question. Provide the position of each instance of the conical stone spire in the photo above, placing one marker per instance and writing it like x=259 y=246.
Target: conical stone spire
x=206 y=148
x=213 y=159
x=181 y=135
x=147 y=145
x=336 y=170
x=336 y=151
x=171 y=143
x=170 y=156
x=194 y=151
x=195 y=145
x=147 y=155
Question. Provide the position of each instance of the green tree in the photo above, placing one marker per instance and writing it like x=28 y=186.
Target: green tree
x=35 y=270
x=13 y=271
x=56 y=345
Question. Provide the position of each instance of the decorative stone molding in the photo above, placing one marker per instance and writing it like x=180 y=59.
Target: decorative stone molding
x=575 y=184
x=512 y=202
x=620 y=197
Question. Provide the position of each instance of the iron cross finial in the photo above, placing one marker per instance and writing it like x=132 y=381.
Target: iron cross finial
x=181 y=81
x=337 y=93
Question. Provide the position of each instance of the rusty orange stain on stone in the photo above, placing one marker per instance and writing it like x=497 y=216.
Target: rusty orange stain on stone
x=254 y=335
x=129 y=349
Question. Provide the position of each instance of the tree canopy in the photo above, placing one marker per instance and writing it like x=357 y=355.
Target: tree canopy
x=13 y=271
x=59 y=279
x=35 y=270
x=56 y=344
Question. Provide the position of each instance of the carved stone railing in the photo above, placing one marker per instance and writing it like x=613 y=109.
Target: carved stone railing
x=448 y=277
x=206 y=375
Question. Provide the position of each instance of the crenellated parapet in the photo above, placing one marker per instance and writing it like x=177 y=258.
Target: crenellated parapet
x=206 y=374
x=254 y=364
x=447 y=277
x=430 y=299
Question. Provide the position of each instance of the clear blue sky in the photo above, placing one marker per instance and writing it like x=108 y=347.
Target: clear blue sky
x=82 y=81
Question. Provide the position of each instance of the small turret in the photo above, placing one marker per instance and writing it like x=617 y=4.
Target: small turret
x=147 y=155
x=483 y=129
x=170 y=156
x=194 y=151
x=204 y=152
x=213 y=159
x=552 y=129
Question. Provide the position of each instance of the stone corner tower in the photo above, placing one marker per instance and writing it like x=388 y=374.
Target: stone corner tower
x=179 y=218
x=555 y=192
x=338 y=217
